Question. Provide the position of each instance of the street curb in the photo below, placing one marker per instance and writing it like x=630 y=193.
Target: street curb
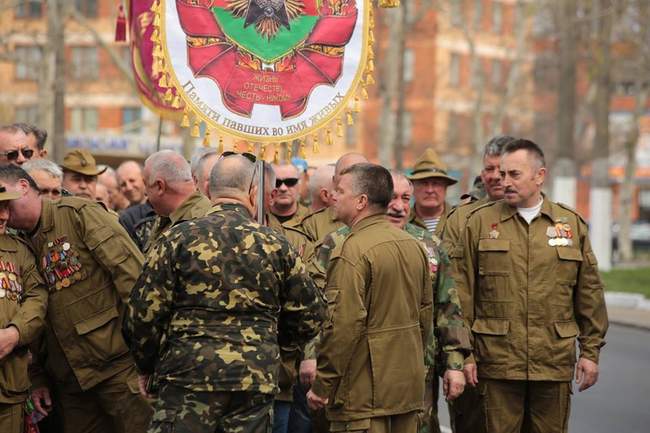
x=629 y=324
x=634 y=301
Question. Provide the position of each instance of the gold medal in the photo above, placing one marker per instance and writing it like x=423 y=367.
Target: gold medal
x=66 y=246
x=551 y=242
x=65 y=282
x=58 y=285
x=3 y=293
x=12 y=277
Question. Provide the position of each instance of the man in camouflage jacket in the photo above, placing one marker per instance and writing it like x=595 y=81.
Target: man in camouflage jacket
x=216 y=298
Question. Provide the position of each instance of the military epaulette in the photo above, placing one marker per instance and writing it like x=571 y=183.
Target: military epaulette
x=311 y=214
x=295 y=230
x=7 y=245
x=570 y=209
x=458 y=206
x=483 y=206
x=73 y=202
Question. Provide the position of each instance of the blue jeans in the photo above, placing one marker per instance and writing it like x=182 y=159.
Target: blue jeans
x=281 y=411
x=299 y=418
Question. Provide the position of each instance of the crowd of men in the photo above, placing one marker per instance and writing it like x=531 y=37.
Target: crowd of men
x=148 y=298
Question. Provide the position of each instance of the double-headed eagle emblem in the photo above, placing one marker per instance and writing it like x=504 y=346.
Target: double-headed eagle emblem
x=267 y=15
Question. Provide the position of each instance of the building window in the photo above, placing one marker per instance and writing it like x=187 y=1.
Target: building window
x=28 y=62
x=409 y=64
x=87 y=7
x=27 y=114
x=84 y=120
x=454 y=70
x=477 y=73
x=85 y=63
x=497 y=17
x=132 y=119
x=456 y=12
x=497 y=74
x=29 y=9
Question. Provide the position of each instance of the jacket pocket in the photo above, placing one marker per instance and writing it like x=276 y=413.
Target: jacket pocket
x=569 y=262
x=493 y=254
x=102 y=335
x=359 y=425
x=565 y=343
x=397 y=380
x=494 y=285
x=490 y=342
x=14 y=378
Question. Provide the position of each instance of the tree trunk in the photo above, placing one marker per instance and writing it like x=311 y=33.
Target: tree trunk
x=601 y=194
x=55 y=30
x=564 y=181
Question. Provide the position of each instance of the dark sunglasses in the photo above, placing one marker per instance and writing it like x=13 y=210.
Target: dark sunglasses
x=289 y=182
x=12 y=155
x=248 y=156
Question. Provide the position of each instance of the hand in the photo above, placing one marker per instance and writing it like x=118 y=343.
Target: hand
x=307 y=372
x=9 y=338
x=142 y=386
x=453 y=384
x=42 y=400
x=471 y=374
x=315 y=402
x=586 y=374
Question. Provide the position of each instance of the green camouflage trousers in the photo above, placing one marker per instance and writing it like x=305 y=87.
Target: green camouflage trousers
x=429 y=422
x=178 y=410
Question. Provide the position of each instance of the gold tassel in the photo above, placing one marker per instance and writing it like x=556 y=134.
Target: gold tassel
x=364 y=92
x=339 y=127
x=276 y=153
x=185 y=123
x=357 y=105
x=263 y=151
x=156 y=19
x=350 y=119
x=220 y=144
x=157 y=52
x=155 y=6
x=328 y=137
x=251 y=148
x=371 y=37
x=388 y=3
x=289 y=151
x=371 y=53
x=206 y=138
x=163 y=81
x=169 y=96
x=155 y=36
x=177 y=102
x=370 y=79
x=303 y=153
x=196 y=131
x=371 y=66
x=315 y=146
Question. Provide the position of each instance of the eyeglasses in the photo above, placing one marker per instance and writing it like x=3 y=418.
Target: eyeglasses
x=289 y=182
x=248 y=156
x=12 y=155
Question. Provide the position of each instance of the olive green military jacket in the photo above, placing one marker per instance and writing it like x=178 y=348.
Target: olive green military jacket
x=319 y=224
x=416 y=220
x=371 y=352
x=534 y=289
x=217 y=297
x=90 y=265
x=296 y=218
x=23 y=302
x=195 y=206
x=450 y=341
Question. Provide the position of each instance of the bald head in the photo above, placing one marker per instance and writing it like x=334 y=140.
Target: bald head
x=320 y=187
x=169 y=166
x=348 y=160
x=231 y=177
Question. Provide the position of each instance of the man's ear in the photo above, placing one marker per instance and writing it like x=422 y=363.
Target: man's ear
x=362 y=202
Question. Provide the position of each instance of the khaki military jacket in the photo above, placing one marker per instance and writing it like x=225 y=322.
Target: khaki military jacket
x=319 y=224
x=23 y=302
x=534 y=289
x=416 y=220
x=197 y=205
x=90 y=266
x=452 y=242
x=370 y=357
x=296 y=218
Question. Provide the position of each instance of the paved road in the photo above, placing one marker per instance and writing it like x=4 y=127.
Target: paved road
x=620 y=401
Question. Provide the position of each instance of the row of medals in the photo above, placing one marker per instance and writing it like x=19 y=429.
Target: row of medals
x=560 y=235
x=7 y=280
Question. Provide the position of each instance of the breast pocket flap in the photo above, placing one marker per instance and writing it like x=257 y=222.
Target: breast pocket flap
x=491 y=326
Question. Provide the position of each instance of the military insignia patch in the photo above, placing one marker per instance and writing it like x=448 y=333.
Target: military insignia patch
x=10 y=286
x=61 y=264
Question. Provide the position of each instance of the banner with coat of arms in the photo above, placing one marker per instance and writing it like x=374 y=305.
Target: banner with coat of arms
x=264 y=71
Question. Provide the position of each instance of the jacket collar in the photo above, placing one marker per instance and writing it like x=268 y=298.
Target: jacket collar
x=186 y=207
x=369 y=221
x=46 y=222
x=508 y=211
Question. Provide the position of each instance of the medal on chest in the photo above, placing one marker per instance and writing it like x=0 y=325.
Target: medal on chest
x=61 y=264
x=494 y=233
x=560 y=234
x=10 y=286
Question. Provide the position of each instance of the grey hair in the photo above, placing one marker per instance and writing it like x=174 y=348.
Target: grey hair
x=495 y=146
x=170 y=166
x=399 y=175
x=43 y=165
x=231 y=174
x=28 y=129
x=321 y=177
x=269 y=174
x=199 y=160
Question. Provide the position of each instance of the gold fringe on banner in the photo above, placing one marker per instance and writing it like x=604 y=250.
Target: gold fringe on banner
x=339 y=127
x=262 y=151
x=388 y=3
x=251 y=147
x=370 y=79
x=185 y=123
x=289 y=151
x=206 y=138
x=276 y=153
x=357 y=105
x=328 y=137
x=220 y=145
x=350 y=118
x=303 y=153
x=314 y=143
x=196 y=130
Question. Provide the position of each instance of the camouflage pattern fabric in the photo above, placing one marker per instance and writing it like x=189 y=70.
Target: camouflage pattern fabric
x=215 y=298
x=181 y=411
